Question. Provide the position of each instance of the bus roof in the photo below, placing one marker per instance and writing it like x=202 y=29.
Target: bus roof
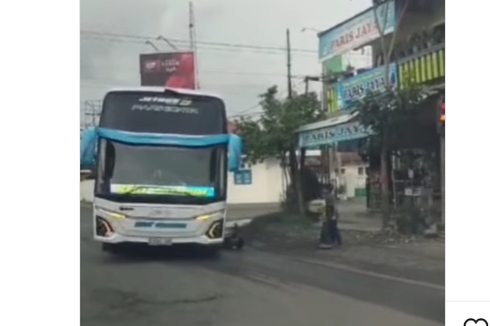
x=162 y=89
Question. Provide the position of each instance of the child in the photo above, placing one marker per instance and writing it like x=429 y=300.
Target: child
x=333 y=228
x=330 y=234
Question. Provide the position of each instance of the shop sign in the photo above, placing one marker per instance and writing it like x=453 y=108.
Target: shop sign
x=355 y=88
x=334 y=134
x=357 y=31
x=243 y=177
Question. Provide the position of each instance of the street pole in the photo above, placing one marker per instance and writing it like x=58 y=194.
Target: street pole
x=307 y=80
x=326 y=108
x=296 y=170
x=288 y=49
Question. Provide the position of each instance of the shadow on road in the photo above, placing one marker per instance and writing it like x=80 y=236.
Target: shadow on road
x=142 y=253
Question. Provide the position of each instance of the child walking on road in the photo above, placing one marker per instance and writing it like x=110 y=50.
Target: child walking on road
x=330 y=233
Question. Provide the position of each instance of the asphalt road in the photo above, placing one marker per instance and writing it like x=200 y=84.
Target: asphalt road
x=176 y=287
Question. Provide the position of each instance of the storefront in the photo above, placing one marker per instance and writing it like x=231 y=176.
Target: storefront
x=332 y=131
x=329 y=135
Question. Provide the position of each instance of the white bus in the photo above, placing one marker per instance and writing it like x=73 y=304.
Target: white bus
x=161 y=160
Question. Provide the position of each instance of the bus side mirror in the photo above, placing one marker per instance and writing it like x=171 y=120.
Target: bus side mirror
x=234 y=153
x=88 y=150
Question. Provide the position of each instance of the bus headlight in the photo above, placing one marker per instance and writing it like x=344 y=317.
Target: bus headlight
x=114 y=215
x=210 y=216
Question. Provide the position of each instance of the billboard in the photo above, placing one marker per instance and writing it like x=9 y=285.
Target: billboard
x=176 y=69
x=357 y=31
x=355 y=88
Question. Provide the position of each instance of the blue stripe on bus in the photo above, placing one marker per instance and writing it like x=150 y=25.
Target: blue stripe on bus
x=162 y=139
x=170 y=225
x=160 y=225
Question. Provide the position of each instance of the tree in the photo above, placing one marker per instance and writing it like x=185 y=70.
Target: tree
x=273 y=134
x=398 y=119
x=383 y=15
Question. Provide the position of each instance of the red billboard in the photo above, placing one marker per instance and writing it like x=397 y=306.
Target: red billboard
x=176 y=69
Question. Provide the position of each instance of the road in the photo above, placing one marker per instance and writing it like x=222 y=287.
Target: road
x=241 y=289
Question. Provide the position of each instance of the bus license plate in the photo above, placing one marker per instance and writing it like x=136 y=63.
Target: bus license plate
x=159 y=242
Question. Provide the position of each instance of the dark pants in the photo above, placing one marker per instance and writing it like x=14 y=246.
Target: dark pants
x=334 y=232
x=325 y=234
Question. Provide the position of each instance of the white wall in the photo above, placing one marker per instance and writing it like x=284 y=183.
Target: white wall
x=266 y=186
x=351 y=179
x=87 y=190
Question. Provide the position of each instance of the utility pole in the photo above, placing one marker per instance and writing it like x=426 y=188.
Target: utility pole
x=288 y=49
x=307 y=79
x=296 y=169
x=192 y=40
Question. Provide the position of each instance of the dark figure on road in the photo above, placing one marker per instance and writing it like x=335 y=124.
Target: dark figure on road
x=330 y=234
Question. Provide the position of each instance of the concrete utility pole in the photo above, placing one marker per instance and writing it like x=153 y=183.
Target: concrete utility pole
x=193 y=40
x=326 y=160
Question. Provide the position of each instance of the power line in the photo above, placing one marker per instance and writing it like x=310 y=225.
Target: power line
x=217 y=87
x=243 y=112
x=217 y=44
x=201 y=48
x=213 y=46
x=205 y=72
x=209 y=72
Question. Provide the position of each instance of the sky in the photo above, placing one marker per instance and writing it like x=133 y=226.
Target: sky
x=239 y=75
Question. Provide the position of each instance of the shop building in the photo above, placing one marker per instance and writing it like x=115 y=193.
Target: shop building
x=418 y=57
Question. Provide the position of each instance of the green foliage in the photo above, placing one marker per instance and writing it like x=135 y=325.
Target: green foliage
x=311 y=188
x=401 y=119
x=273 y=134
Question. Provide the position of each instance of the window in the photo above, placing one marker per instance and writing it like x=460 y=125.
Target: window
x=148 y=170
x=245 y=165
x=360 y=171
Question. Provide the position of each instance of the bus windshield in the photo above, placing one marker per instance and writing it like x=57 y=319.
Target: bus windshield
x=167 y=112
x=161 y=174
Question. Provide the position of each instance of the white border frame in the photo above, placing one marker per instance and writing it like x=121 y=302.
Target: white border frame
x=40 y=239
x=467 y=194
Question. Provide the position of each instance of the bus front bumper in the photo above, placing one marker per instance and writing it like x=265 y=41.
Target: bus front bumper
x=159 y=241
x=207 y=233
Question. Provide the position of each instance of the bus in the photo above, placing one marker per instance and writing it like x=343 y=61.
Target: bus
x=160 y=158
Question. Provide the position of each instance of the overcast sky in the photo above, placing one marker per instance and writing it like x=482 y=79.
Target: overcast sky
x=238 y=75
